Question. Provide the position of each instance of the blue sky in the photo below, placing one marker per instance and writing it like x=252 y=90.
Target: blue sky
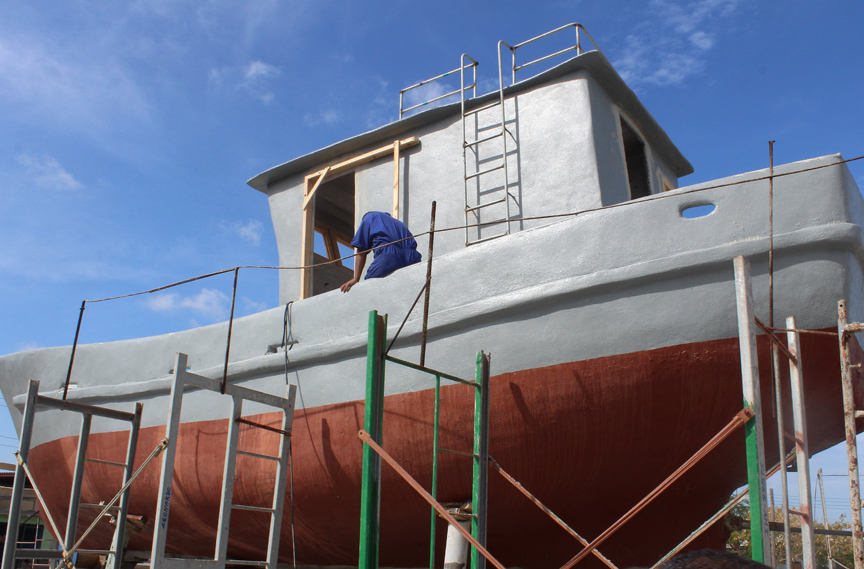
x=128 y=129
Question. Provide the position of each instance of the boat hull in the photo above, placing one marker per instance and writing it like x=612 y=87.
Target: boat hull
x=588 y=438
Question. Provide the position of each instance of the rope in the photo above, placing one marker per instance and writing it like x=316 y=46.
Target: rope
x=287 y=343
x=475 y=225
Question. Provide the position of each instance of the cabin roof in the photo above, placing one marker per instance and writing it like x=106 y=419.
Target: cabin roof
x=593 y=61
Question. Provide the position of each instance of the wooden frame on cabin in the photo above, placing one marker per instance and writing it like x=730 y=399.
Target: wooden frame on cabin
x=311 y=184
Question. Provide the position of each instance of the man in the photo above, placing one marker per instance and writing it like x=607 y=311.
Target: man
x=394 y=246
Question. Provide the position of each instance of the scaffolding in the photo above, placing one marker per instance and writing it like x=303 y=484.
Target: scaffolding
x=373 y=453
x=68 y=541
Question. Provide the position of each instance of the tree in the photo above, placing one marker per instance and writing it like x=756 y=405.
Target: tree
x=841 y=547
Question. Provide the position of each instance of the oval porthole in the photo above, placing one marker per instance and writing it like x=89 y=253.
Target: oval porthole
x=697 y=210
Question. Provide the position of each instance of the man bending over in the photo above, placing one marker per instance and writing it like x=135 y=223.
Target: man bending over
x=393 y=243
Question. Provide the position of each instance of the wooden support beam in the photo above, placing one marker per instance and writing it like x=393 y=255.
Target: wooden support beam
x=396 y=147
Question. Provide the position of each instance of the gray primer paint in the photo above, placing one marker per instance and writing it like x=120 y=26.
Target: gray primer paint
x=567 y=156
x=627 y=278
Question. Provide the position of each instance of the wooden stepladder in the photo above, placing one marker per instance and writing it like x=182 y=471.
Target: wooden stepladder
x=238 y=394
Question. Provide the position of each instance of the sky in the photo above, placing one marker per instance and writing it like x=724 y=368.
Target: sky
x=128 y=129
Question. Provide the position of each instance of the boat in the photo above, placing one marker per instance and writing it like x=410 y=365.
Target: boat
x=565 y=248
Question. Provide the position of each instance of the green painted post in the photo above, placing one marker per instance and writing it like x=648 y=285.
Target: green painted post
x=481 y=456
x=370 y=497
x=754 y=440
x=435 y=469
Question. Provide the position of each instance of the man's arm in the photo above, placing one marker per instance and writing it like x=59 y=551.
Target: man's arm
x=359 y=263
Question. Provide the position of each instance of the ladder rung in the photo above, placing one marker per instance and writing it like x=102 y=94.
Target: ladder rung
x=108 y=462
x=246 y=562
x=481 y=109
x=482 y=140
x=859 y=414
x=490 y=238
x=482 y=205
x=257 y=455
x=252 y=508
x=484 y=172
x=96 y=551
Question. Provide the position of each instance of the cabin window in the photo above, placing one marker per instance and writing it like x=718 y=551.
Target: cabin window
x=637 y=162
x=328 y=218
x=334 y=229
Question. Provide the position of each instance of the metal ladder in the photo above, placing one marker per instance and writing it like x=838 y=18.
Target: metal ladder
x=238 y=394
x=485 y=166
x=32 y=405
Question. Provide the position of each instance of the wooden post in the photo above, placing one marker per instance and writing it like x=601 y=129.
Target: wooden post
x=396 y=147
x=754 y=437
x=851 y=439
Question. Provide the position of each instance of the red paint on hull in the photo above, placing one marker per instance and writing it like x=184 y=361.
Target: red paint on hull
x=588 y=438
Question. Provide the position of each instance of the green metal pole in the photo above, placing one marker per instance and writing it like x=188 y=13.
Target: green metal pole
x=481 y=455
x=435 y=469
x=370 y=497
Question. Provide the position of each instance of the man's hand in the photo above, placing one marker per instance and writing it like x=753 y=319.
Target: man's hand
x=359 y=263
x=347 y=286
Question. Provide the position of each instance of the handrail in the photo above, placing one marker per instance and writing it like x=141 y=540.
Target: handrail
x=577 y=47
x=462 y=88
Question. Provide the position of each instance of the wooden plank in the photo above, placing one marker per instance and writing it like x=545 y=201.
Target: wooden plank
x=311 y=193
x=367 y=157
x=396 y=148
x=306 y=248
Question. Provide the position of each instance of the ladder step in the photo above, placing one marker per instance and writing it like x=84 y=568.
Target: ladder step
x=252 y=508
x=481 y=109
x=245 y=562
x=482 y=140
x=859 y=414
x=108 y=462
x=257 y=455
x=482 y=205
x=491 y=237
x=484 y=172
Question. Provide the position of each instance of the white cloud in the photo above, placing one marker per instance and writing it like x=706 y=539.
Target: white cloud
x=670 y=46
x=702 y=40
x=259 y=71
x=251 y=231
x=47 y=173
x=28 y=346
x=255 y=78
x=253 y=306
x=209 y=303
x=427 y=93
x=329 y=117
x=59 y=85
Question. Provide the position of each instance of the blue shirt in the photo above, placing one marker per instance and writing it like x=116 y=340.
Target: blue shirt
x=377 y=229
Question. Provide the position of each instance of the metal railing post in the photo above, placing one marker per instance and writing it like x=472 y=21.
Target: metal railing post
x=755 y=441
x=370 y=497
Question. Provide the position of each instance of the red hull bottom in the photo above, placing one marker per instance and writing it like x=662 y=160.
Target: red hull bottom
x=588 y=438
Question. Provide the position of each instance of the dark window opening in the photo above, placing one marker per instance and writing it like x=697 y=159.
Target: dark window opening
x=637 y=163
x=334 y=229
